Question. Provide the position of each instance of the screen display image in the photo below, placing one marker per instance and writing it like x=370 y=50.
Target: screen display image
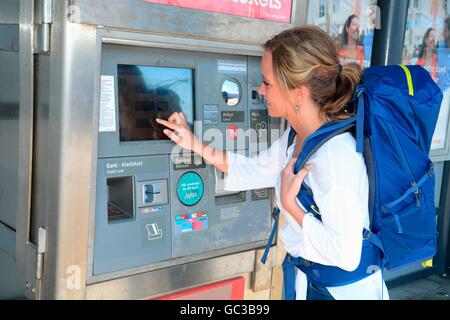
x=147 y=93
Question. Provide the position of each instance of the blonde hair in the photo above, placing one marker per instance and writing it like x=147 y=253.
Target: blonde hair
x=307 y=55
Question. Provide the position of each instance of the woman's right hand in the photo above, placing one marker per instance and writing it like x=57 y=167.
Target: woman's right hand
x=178 y=130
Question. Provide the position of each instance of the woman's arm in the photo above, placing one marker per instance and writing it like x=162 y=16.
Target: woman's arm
x=180 y=133
x=242 y=172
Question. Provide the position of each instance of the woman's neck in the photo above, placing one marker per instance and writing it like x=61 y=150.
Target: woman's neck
x=305 y=128
x=351 y=42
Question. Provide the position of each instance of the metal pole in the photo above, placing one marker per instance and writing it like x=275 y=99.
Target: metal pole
x=389 y=39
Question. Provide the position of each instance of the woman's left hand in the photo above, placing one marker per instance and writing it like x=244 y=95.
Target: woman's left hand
x=290 y=184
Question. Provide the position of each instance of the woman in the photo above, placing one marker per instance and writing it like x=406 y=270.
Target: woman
x=428 y=57
x=351 y=51
x=305 y=84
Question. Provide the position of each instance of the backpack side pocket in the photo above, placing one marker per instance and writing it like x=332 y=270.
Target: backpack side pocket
x=408 y=226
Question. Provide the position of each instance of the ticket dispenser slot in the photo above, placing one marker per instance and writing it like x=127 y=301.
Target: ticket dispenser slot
x=224 y=197
x=120 y=199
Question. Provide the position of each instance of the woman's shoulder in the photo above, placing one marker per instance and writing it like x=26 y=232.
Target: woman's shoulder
x=339 y=149
x=337 y=164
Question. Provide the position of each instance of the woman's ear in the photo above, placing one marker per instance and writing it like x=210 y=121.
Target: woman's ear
x=302 y=94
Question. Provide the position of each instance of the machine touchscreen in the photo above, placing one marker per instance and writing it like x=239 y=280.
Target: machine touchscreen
x=147 y=93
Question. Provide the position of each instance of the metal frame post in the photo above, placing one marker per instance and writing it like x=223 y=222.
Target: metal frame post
x=389 y=40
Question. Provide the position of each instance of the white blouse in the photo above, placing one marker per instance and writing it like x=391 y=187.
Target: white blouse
x=338 y=180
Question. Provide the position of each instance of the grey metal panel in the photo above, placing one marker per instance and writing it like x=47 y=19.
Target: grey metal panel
x=173 y=262
x=439 y=171
x=138 y=15
x=9 y=11
x=144 y=40
x=25 y=131
x=74 y=78
x=41 y=147
x=125 y=244
x=192 y=242
x=7 y=240
x=9 y=37
x=172 y=42
x=207 y=86
x=9 y=136
x=164 y=281
x=443 y=154
x=11 y=279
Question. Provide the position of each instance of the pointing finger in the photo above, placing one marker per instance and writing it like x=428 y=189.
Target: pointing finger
x=168 y=124
x=174 y=117
x=175 y=138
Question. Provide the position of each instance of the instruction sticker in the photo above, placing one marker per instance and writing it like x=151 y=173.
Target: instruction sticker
x=107 y=118
x=210 y=114
x=231 y=67
x=190 y=189
x=233 y=116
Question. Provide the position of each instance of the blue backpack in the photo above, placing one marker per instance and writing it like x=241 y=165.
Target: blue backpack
x=397 y=111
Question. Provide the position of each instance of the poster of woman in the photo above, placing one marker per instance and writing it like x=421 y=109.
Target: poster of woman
x=427 y=44
x=351 y=24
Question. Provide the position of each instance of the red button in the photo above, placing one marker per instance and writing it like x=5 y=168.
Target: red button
x=232 y=132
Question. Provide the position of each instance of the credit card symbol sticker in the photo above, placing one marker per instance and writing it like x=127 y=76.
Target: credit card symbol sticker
x=154 y=232
x=191 y=222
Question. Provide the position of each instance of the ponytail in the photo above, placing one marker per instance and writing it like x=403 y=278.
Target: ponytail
x=346 y=83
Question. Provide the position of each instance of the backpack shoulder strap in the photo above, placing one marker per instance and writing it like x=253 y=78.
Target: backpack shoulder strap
x=320 y=137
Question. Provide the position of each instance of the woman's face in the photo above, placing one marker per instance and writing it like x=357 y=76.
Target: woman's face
x=277 y=99
x=353 y=29
x=431 y=39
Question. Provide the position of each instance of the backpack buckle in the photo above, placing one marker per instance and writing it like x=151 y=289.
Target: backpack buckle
x=275 y=213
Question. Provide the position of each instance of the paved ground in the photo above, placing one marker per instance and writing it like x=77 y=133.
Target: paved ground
x=435 y=287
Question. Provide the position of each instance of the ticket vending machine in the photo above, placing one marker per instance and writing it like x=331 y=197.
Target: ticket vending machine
x=107 y=206
x=156 y=202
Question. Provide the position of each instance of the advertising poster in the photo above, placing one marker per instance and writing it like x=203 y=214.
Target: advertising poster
x=351 y=23
x=274 y=10
x=427 y=43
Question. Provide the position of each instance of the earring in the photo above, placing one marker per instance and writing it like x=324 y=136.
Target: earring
x=298 y=107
